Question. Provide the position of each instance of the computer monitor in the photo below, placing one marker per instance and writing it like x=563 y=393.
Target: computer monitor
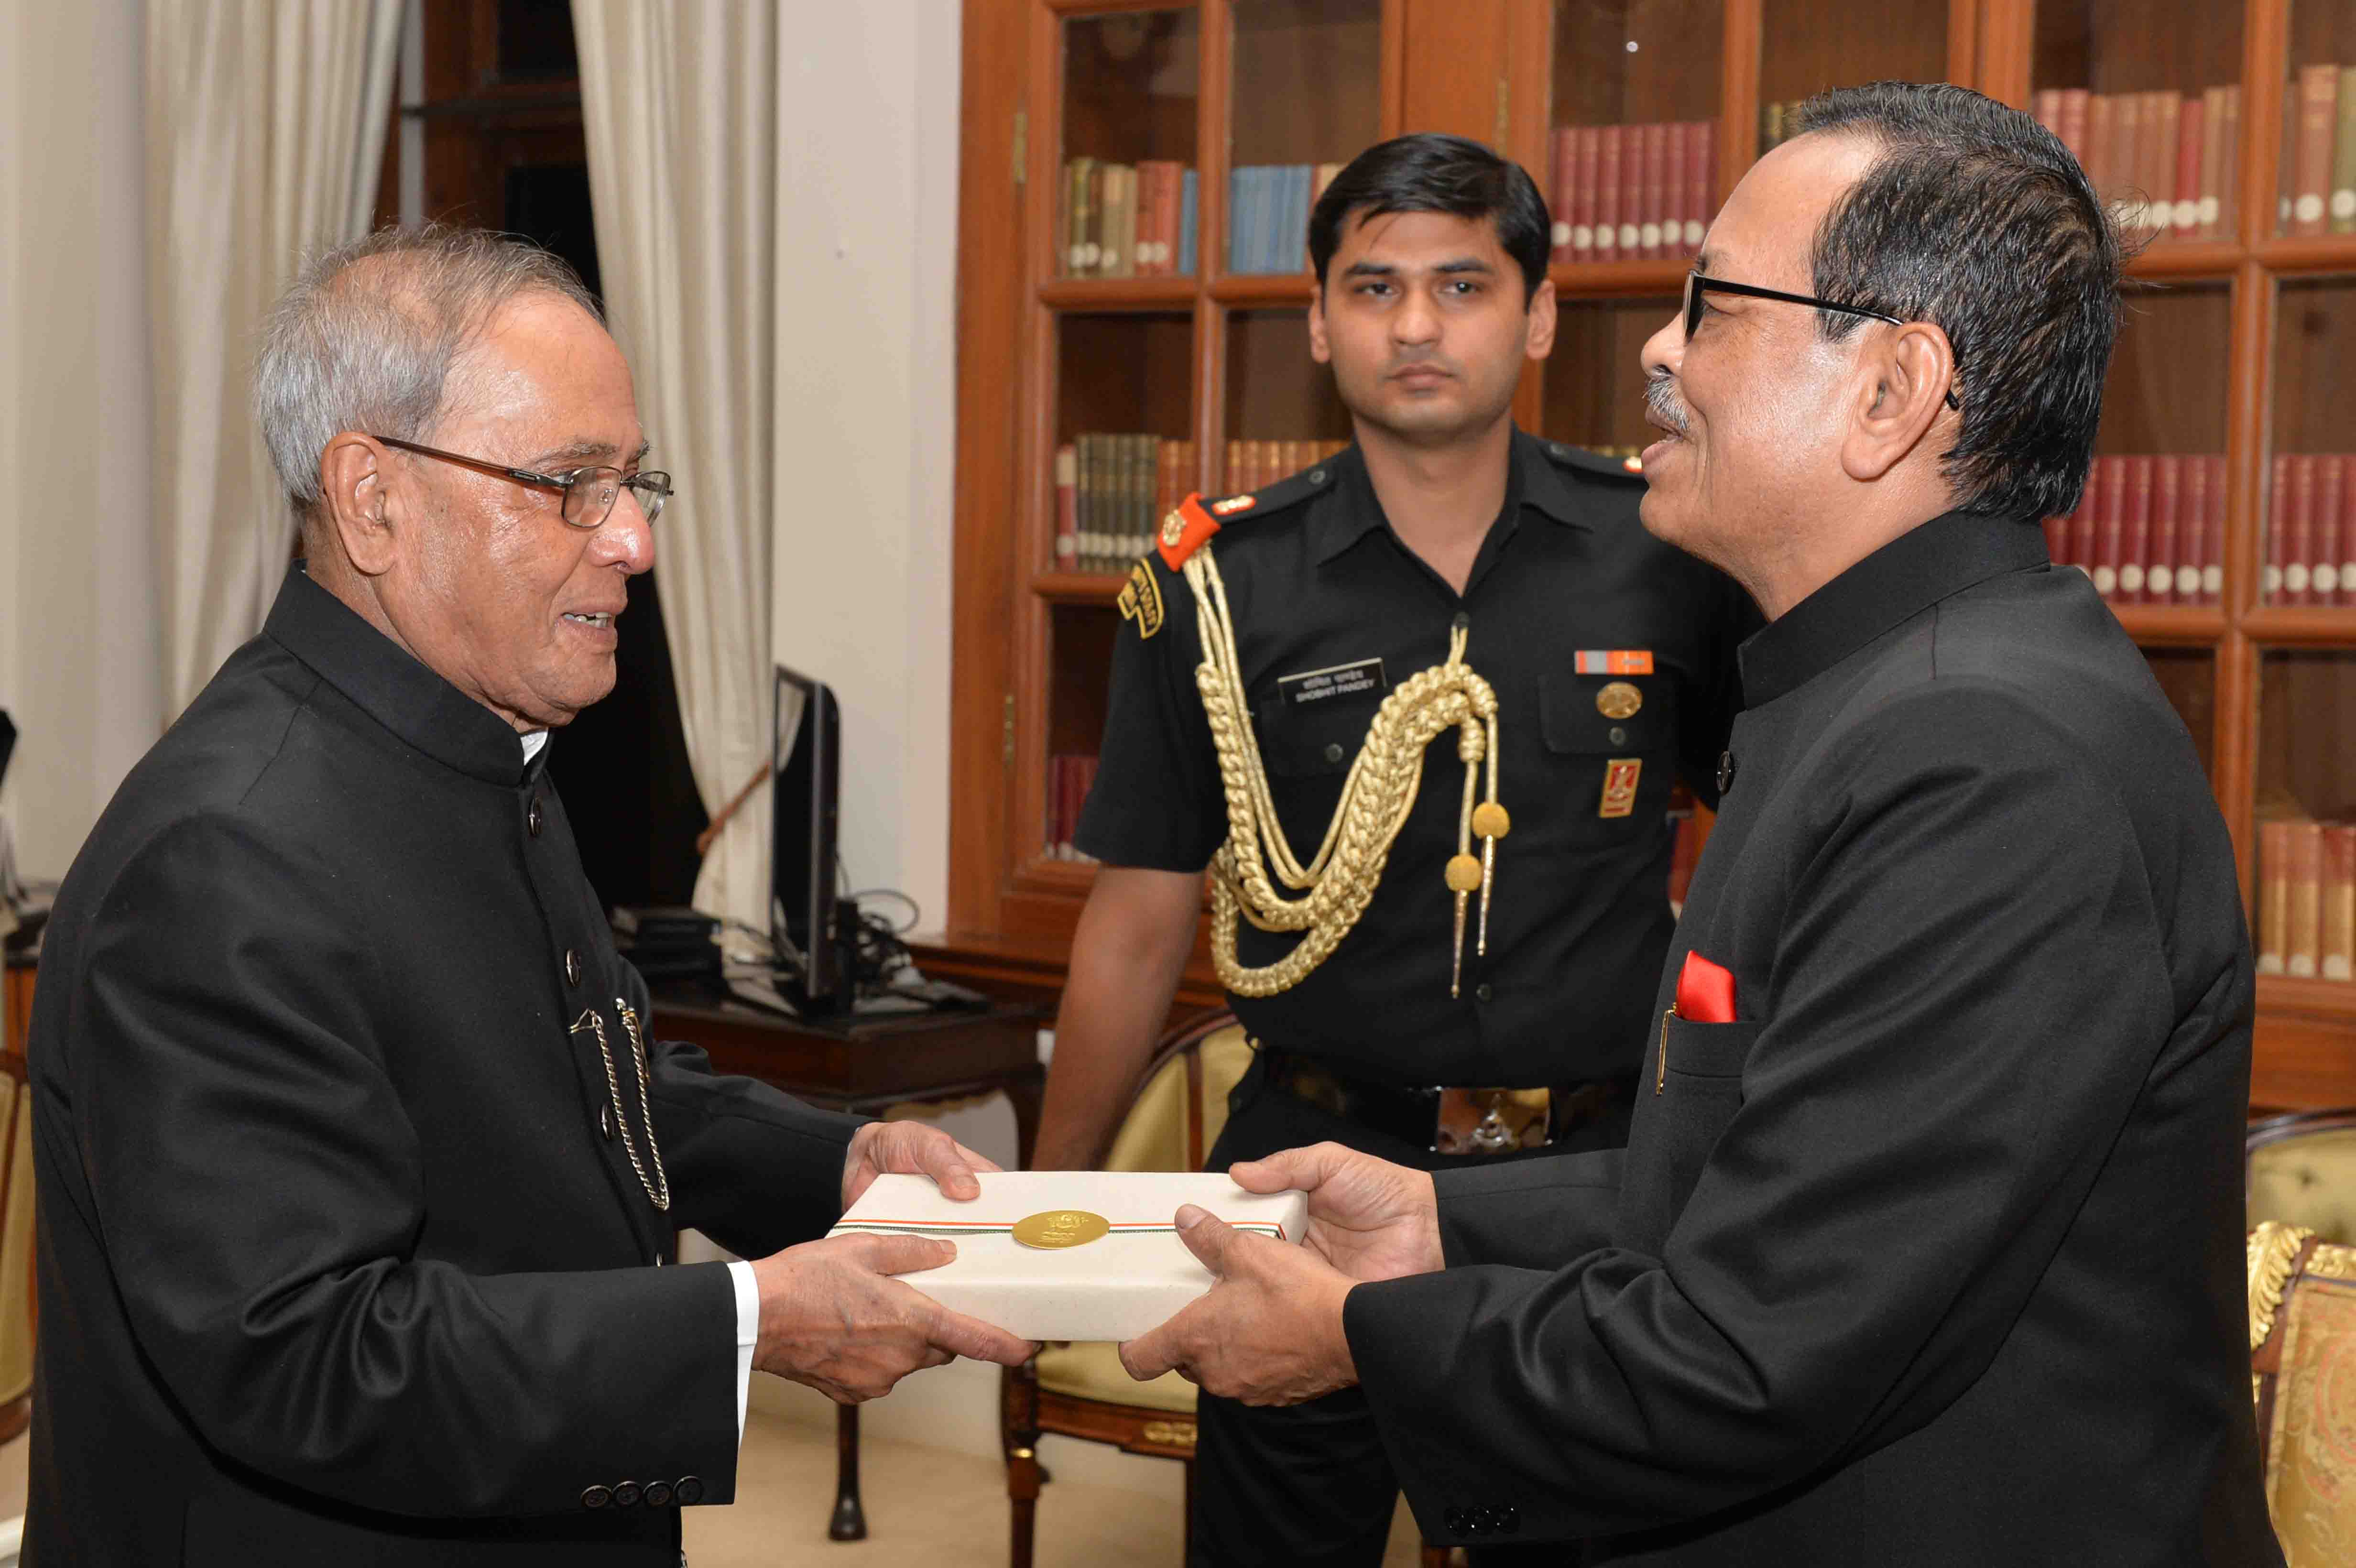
x=804 y=787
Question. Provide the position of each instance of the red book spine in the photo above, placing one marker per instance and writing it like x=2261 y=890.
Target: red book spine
x=1673 y=189
x=2212 y=540
x=2135 y=532
x=1564 y=169
x=1607 y=192
x=2331 y=485
x=2347 y=593
x=2192 y=135
x=2095 y=158
x=2193 y=551
x=2045 y=108
x=1589 y=143
x=2083 y=523
x=2109 y=526
x=2159 y=583
x=2270 y=583
x=2298 y=550
x=2318 y=103
x=1655 y=154
x=1631 y=192
x=2057 y=539
x=2073 y=121
x=1701 y=176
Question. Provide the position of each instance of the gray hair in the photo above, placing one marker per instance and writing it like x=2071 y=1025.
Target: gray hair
x=365 y=337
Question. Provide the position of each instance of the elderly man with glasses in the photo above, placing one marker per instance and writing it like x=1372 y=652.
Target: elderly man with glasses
x=1924 y=1248
x=358 y=1165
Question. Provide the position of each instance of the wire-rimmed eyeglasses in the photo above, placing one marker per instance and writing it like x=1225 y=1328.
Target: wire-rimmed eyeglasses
x=1700 y=284
x=589 y=492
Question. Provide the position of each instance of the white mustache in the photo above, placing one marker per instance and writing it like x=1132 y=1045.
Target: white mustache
x=1661 y=398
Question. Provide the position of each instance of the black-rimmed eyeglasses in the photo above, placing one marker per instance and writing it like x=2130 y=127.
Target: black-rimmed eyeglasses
x=589 y=492
x=1700 y=284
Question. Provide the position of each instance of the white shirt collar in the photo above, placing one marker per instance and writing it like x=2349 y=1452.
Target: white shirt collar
x=533 y=740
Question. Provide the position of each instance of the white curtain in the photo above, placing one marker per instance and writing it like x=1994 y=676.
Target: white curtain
x=265 y=132
x=680 y=102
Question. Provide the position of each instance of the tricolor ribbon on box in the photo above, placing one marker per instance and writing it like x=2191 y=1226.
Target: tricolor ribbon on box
x=1005 y=1228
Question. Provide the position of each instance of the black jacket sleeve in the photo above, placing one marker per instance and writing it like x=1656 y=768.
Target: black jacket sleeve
x=270 y=1275
x=750 y=1165
x=1531 y=1212
x=1971 y=993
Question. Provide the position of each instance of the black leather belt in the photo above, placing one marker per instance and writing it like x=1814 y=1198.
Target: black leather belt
x=1444 y=1120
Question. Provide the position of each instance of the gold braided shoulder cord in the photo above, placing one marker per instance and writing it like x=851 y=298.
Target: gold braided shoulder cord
x=1377 y=796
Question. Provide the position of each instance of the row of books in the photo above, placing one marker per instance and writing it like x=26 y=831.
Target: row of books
x=1625 y=192
x=2306 y=899
x=1069 y=776
x=2310 y=557
x=1112 y=492
x=1267 y=214
x=2320 y=153
x=1256 y=464
x=2169 y=163
x=1123 y=220
x=2151 y=529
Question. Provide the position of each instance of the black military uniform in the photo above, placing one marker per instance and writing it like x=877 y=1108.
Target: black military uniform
x=1612 y=656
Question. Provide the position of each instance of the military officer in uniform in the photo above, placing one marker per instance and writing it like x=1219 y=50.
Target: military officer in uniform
x=1452 y=657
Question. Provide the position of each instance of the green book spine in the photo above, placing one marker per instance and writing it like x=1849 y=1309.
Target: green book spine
x=2343 y=158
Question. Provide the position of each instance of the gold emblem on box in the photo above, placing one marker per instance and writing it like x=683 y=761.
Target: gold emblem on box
x=1062 y=1228
x=1619 y=700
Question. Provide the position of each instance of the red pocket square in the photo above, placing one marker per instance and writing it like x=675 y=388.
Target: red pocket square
x=1704 y=991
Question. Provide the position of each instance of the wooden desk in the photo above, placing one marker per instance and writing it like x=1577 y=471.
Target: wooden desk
x=867 y=1066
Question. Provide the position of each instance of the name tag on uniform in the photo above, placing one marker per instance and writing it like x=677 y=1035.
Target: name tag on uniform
x=1317 y=686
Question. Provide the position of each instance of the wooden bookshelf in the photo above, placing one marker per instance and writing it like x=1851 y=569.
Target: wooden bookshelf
x=2235 y=343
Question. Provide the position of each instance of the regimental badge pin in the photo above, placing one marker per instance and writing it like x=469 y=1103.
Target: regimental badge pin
x=1140 y=600
x=1619 y=700
x=1174 y=529
x=1620 y=776
x=1234 y=504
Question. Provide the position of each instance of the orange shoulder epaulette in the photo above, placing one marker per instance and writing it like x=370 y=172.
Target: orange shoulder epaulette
x=1184 y=530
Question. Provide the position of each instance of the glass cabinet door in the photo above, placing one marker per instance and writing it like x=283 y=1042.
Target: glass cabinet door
x=2316 y=192
x=1304 y=98
x=2309 y=554
x=1129 y=197
x=1632 y=145
x=1805 y=46
x=2149 y=97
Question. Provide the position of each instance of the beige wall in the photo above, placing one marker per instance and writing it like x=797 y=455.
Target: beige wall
x=80 y=667
x=860 y=591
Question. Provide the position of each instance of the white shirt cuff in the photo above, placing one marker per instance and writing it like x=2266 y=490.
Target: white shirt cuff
x=748 y=1333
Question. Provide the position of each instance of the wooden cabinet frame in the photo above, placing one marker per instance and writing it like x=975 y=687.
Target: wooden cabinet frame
x=1483 y=67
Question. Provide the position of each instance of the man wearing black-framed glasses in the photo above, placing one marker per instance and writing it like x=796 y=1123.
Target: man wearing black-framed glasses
x=360 y=1165
x=1923 y=1249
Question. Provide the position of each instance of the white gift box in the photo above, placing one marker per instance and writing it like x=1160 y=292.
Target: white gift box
x=1134 y=1278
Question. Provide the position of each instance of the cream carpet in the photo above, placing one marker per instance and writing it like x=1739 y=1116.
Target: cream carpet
x=927 y=1507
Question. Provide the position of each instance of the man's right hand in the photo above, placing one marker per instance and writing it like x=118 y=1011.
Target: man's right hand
x=832 y=1316
x=1368 y=1218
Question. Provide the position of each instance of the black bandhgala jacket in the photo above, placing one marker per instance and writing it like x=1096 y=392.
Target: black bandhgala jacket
x=336 y=1263
x=1931 y=1253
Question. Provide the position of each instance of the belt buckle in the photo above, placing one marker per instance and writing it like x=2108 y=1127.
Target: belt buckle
x=1492 y=1121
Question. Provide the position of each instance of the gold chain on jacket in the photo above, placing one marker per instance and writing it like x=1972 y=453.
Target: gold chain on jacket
x=1377 y=796
x=657 y=1189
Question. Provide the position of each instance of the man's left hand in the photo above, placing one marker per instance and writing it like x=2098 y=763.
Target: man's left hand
x=910 y=1148
x=1269 y=1333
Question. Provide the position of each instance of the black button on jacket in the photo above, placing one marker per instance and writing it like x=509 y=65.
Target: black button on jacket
x=335 y=1266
